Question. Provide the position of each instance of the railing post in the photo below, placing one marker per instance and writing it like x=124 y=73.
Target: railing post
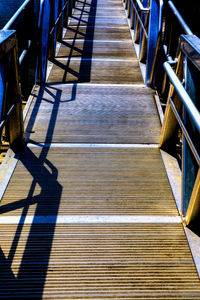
x=44 y=25
x=28 y=67
x=53 y=28
x=143 y=42
x=60 y=21
x=70 y=7
x=65 y=13
x=154 y=29
x=10 y=97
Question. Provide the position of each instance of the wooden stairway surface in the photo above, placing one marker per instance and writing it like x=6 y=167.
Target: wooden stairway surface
x=98 y=48
x=75 y=113
x=89 y=212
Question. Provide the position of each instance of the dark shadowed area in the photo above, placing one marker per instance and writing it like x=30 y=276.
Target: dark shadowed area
x=7 y=9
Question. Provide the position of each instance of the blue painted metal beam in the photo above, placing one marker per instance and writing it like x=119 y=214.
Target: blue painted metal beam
x=7 y=42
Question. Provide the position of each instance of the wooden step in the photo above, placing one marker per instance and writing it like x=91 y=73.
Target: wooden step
x=97 y=33
x=101 y=181
x=97 y=49
x=94 y=114
x=97 y=261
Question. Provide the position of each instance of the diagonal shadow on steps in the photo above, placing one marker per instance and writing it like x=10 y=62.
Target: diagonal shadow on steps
x=83 y=74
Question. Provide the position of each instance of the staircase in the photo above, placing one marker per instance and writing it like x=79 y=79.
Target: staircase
x=89 y=212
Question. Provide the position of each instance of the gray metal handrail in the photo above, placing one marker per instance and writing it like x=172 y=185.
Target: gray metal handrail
x=138 y=11
x=184 y=94
x=185 y=98
x=189 y=106
x=159 y=44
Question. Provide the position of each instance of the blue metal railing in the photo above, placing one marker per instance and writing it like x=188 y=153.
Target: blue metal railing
x=172 y=56
x=44 y=21
x=32 y=32
x=183 y=109
x=146 y=22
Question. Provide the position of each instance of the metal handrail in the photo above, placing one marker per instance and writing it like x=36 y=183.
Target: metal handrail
x=185 y=29
x=178 y=16
x=189 y=106
x=32 y=47
x=146 y=23
x=162 y=50
x=141 y=7
x=189 y=51
x=185 y=98
x=16 y=15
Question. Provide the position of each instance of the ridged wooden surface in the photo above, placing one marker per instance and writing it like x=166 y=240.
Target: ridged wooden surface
x=92 y=181
x=105 y=49
x=98 y=33
x=97 y=261
x=53 y=260
x=94 y=114
x=94 y=71
x=102 y=27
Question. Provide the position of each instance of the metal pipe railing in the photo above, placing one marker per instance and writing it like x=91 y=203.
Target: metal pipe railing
x=157 y=29
x=21 y=48
x=16 y=15
x=179 y=18
x=141 y=9
x=185 y=98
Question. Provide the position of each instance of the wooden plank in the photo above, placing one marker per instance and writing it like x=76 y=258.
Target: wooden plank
x=88 y=49
x=92 y=181
x=127 y=72
x=92 y=11
x=88 y=33
x=73 y=261
x=94 y=114
x=100 y=21
x=93 y=261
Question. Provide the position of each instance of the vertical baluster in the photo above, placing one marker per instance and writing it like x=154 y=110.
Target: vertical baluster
x=65 y=13
x=16 y=127
x=10 y=93
x=154 y=28
x=143 y=39
x=60 y=22
x=53 y=28
x=129 y=9
x=133 y=17
x=70 y=8
x=170 y=122
x=136 y=27
x=44 y=38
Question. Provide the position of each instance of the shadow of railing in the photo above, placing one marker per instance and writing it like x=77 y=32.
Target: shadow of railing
x=87 y=19
x=33 y=266
x=35 y=260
